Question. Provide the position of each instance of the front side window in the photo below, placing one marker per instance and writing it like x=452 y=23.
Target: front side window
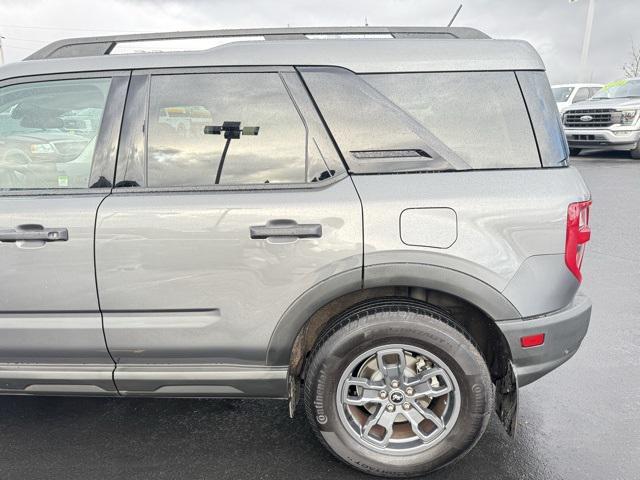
x=581 y=95
x=210 y=129
x=48 y=132
x=562 y=94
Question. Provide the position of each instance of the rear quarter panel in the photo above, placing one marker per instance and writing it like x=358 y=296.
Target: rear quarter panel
x=504 y=219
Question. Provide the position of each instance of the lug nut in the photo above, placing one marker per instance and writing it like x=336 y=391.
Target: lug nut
x=395 y=383
x=406 y=405
x=409 y=391
x=391 y=408
x=383 y=394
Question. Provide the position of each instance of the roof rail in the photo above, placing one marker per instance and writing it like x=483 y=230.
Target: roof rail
x=92 y=46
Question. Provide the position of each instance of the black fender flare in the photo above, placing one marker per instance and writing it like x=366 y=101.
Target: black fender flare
x=432 y=277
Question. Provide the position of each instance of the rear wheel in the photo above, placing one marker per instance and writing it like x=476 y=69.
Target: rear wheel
x=574 y=152
x=395 y=388
x=635 y=153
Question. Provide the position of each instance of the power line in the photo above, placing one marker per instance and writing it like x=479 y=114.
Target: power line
x=40 y=27
x=28 y=40
x=20 y=48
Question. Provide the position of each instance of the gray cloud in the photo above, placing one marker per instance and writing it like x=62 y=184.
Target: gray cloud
x=554 y=27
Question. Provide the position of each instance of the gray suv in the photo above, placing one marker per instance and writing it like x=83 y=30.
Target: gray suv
x=381 y=220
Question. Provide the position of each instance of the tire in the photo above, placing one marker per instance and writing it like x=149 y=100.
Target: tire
x=407 y=326
x=635 y=153
x=574 y=152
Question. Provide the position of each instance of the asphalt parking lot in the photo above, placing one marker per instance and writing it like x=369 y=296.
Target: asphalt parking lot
x=579 y=422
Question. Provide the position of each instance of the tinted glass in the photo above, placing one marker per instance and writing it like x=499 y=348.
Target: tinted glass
x=481 y=116
x=373 y=132
x=246 y=119
x=545 y=118
x=48 y=132
x=626 y=88
x=562 y=94
x=581 y=95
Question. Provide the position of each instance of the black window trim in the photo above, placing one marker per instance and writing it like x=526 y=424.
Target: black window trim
x=279 y=69
x=108 y=143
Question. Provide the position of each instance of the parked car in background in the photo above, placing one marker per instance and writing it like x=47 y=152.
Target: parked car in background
x=610 y=120
x=570 y=93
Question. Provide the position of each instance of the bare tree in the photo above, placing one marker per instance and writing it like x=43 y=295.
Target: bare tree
x=632 y=68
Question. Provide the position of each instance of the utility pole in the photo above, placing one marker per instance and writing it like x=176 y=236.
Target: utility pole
x=1 y=51
x=584 y=73
x=587 y=40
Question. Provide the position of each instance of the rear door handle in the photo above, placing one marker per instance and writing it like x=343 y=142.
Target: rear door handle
x=34 y=233
x=286 y=228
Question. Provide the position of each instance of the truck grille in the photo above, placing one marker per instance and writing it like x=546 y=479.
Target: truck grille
x=601 y=117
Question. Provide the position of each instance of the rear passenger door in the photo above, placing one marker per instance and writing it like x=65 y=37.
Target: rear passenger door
x=230 y=202
x=58 y=142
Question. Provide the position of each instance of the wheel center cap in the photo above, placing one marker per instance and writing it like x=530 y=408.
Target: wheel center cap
x=396 y=397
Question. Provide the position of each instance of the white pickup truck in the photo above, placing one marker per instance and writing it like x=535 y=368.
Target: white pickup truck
x=610 y=120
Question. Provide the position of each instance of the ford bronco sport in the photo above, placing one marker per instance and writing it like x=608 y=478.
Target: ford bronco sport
x=382 y=219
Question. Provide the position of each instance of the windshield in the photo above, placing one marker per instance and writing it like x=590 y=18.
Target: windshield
x=562 y=94
x=619 y=89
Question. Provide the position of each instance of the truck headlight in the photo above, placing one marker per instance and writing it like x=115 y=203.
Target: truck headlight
x=627 y=117
x=41 y=148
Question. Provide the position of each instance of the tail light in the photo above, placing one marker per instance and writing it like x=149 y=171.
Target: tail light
x=578 y=234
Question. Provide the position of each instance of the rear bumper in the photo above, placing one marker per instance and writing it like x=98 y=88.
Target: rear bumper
x=602 y=138
x=564 y=331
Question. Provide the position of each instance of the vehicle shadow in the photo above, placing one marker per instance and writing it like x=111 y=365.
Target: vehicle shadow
x=88 y=438
x=610 y=157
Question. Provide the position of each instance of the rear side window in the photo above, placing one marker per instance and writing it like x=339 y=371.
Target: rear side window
x=453 y=120
x=229 y=129
x=479 y=115
x=48 y=132
x=545 y=118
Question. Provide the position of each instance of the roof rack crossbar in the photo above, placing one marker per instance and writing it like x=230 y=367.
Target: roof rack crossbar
x=103 y=45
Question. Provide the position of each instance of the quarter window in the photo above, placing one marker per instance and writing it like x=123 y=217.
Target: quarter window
x=224 y=128
x=48 y=132
x=480 y=116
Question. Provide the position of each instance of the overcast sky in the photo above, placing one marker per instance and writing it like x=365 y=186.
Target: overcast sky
x=554 y=27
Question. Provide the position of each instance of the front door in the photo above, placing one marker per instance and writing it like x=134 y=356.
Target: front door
x=230 y=205
x=57 y=139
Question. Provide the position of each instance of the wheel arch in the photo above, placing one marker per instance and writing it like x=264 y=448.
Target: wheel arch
x=475 y=305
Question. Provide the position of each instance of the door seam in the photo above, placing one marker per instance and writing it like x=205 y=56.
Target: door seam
x=95 y=275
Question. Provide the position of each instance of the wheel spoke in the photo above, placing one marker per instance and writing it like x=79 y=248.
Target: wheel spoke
x=423 y=383
x=391 y=363
x=417 y=415
x=367 y=391
x=384 y=419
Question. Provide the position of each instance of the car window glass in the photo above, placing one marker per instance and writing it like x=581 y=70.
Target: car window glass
x=545 y=118
x=480 y=116
x=48 y=132
x=224 y=128
x=581 y=95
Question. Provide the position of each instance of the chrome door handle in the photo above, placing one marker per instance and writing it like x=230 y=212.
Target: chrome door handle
x=34 y=233
x=286 y=228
